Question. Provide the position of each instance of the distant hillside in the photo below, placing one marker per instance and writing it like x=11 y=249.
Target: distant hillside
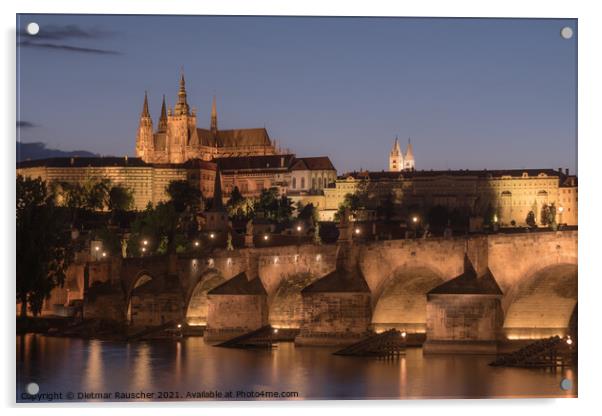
x=32 y=151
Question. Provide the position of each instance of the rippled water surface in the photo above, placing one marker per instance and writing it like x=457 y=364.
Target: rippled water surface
x=69 y=367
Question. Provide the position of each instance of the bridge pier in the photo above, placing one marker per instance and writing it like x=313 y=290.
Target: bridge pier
x=236 y=307
x=464 y=315
x=337 y=308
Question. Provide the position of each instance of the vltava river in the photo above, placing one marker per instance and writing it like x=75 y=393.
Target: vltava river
x=70 y=367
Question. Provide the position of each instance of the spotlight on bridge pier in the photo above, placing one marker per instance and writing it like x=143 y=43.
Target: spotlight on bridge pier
x=266 y=237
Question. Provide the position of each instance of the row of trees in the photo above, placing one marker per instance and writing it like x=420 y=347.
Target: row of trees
x=45 y=216
x=44 y=249
x=92 y=195
x=269 y=204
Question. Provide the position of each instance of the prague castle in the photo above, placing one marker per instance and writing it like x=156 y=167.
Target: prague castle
x=178 y=139
x=177 y=149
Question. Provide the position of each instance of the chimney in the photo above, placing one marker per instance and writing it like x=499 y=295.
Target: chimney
x=72 y=161
x=281 y=161
x=566 y=171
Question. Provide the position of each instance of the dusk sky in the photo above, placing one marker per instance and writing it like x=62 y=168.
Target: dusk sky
x=471 y=93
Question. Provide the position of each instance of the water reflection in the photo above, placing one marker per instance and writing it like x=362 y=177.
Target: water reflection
x=189 y=365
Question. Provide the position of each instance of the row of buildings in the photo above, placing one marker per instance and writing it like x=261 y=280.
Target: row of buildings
x=176 y=149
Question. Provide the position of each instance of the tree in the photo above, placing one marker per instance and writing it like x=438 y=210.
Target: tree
x=238 y=206
x=530 y=220
x=110 y=240
x=285 y=209
x=278 y=209
x=120 y=199
x=44 y=250
x=548 y=215
x=351 y=201
x=235 y=196
x=96 y=194
x=184 y=196
x=159 y=226
x=309 y=212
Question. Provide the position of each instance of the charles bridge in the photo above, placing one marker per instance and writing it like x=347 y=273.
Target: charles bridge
x=469 y=290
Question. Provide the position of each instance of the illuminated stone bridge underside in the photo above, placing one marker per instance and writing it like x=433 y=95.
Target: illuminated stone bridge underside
x=536 y=272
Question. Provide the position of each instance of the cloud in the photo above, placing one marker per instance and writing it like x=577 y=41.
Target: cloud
x=22 y=124
x=54 y=32
x=68 y=48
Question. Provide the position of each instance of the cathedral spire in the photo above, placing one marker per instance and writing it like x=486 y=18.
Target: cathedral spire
x=145 y=112
x=181 y=107
x=395 y=157
x=213 y=117
x=409 y=162
x=409 y=150
x=396 y=150
x=163 y=118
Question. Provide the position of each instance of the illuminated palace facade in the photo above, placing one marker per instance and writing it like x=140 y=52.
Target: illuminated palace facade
x=509 y=194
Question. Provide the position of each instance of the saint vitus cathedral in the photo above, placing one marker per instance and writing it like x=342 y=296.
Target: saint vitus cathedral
x=177 y=138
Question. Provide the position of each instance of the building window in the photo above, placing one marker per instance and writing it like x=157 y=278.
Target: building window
x=302 y=183
x=294 y=183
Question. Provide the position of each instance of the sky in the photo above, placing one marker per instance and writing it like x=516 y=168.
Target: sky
x=470 y=93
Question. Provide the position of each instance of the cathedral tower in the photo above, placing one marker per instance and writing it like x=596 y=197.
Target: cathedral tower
x=408 y=162
x=395 y=158
x=181 y=128
x=144 y=137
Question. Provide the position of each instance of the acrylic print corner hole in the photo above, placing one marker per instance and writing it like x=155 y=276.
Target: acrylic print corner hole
x=295 y=208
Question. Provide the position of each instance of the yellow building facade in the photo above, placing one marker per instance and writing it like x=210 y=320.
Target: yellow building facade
x=509 y=194
x=148 y=182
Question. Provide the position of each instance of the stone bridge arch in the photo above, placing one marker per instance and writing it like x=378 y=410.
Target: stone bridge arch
x=196 y=300
x=286 y=304
x=142 y=278
x=133 y=268
x=543 y=303
x=400 y=301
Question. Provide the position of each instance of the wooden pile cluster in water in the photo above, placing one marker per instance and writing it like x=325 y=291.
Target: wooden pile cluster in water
x=549 y=352
x=391 y=343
